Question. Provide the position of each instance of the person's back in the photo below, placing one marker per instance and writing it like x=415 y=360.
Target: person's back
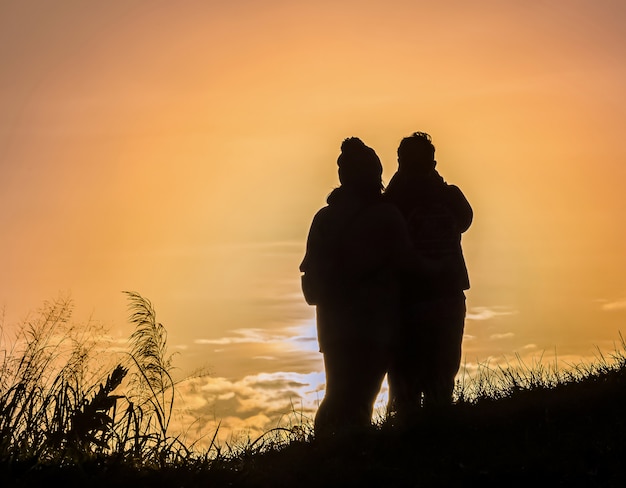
x=436 y=214
x=356 y=244
x=350 y=249
x=428 y=351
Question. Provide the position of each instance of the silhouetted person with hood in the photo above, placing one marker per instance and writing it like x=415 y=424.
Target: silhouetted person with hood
x=351 y=275
x=427 y=352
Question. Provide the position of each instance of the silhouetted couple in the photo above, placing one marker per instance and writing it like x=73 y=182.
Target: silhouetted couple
x=387 y=275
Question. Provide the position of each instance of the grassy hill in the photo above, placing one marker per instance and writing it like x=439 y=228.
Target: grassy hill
x=568 y=434
x=512 y=427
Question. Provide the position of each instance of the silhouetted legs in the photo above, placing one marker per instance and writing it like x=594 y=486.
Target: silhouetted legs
x=354 y=374
x=427 y=355
x=443 y=325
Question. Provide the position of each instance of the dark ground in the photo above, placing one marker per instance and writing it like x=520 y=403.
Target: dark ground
x=569 y=435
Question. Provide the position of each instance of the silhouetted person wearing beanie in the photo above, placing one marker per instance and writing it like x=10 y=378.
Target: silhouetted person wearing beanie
x=427 y=352
x=351 y=275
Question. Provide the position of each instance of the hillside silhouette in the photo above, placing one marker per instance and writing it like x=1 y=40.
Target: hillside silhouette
x=514 y=428
x=569 y=435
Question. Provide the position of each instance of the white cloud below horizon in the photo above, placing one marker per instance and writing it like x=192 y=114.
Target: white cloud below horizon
x=488 y=313
x=610 y=306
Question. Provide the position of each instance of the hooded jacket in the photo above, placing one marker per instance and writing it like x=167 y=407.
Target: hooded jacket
x=437 y=214
x=355 y=248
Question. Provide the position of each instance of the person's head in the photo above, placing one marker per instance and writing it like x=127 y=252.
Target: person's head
x=359 y=167
x=416 y=154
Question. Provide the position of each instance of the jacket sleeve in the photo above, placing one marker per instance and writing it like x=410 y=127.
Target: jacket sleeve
x=315 y=242
x=460 y=208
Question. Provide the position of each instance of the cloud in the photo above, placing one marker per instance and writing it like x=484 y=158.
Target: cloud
x=252 y=405
x=488 y=313
x=614 y=305
x=505 y=335
x=294 y=348
x=304 y=336
x=244 y=336
x=301 y=337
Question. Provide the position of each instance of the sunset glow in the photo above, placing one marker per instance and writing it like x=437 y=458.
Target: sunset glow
x=181 y=149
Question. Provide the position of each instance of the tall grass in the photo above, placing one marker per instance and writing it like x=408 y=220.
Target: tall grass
x=47 y=410
x=502 y=382
x=63 y=400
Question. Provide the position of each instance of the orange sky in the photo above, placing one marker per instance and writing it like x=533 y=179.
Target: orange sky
x=181 y=149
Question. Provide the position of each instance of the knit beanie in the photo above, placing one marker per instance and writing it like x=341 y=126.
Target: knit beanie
x=358 y=164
